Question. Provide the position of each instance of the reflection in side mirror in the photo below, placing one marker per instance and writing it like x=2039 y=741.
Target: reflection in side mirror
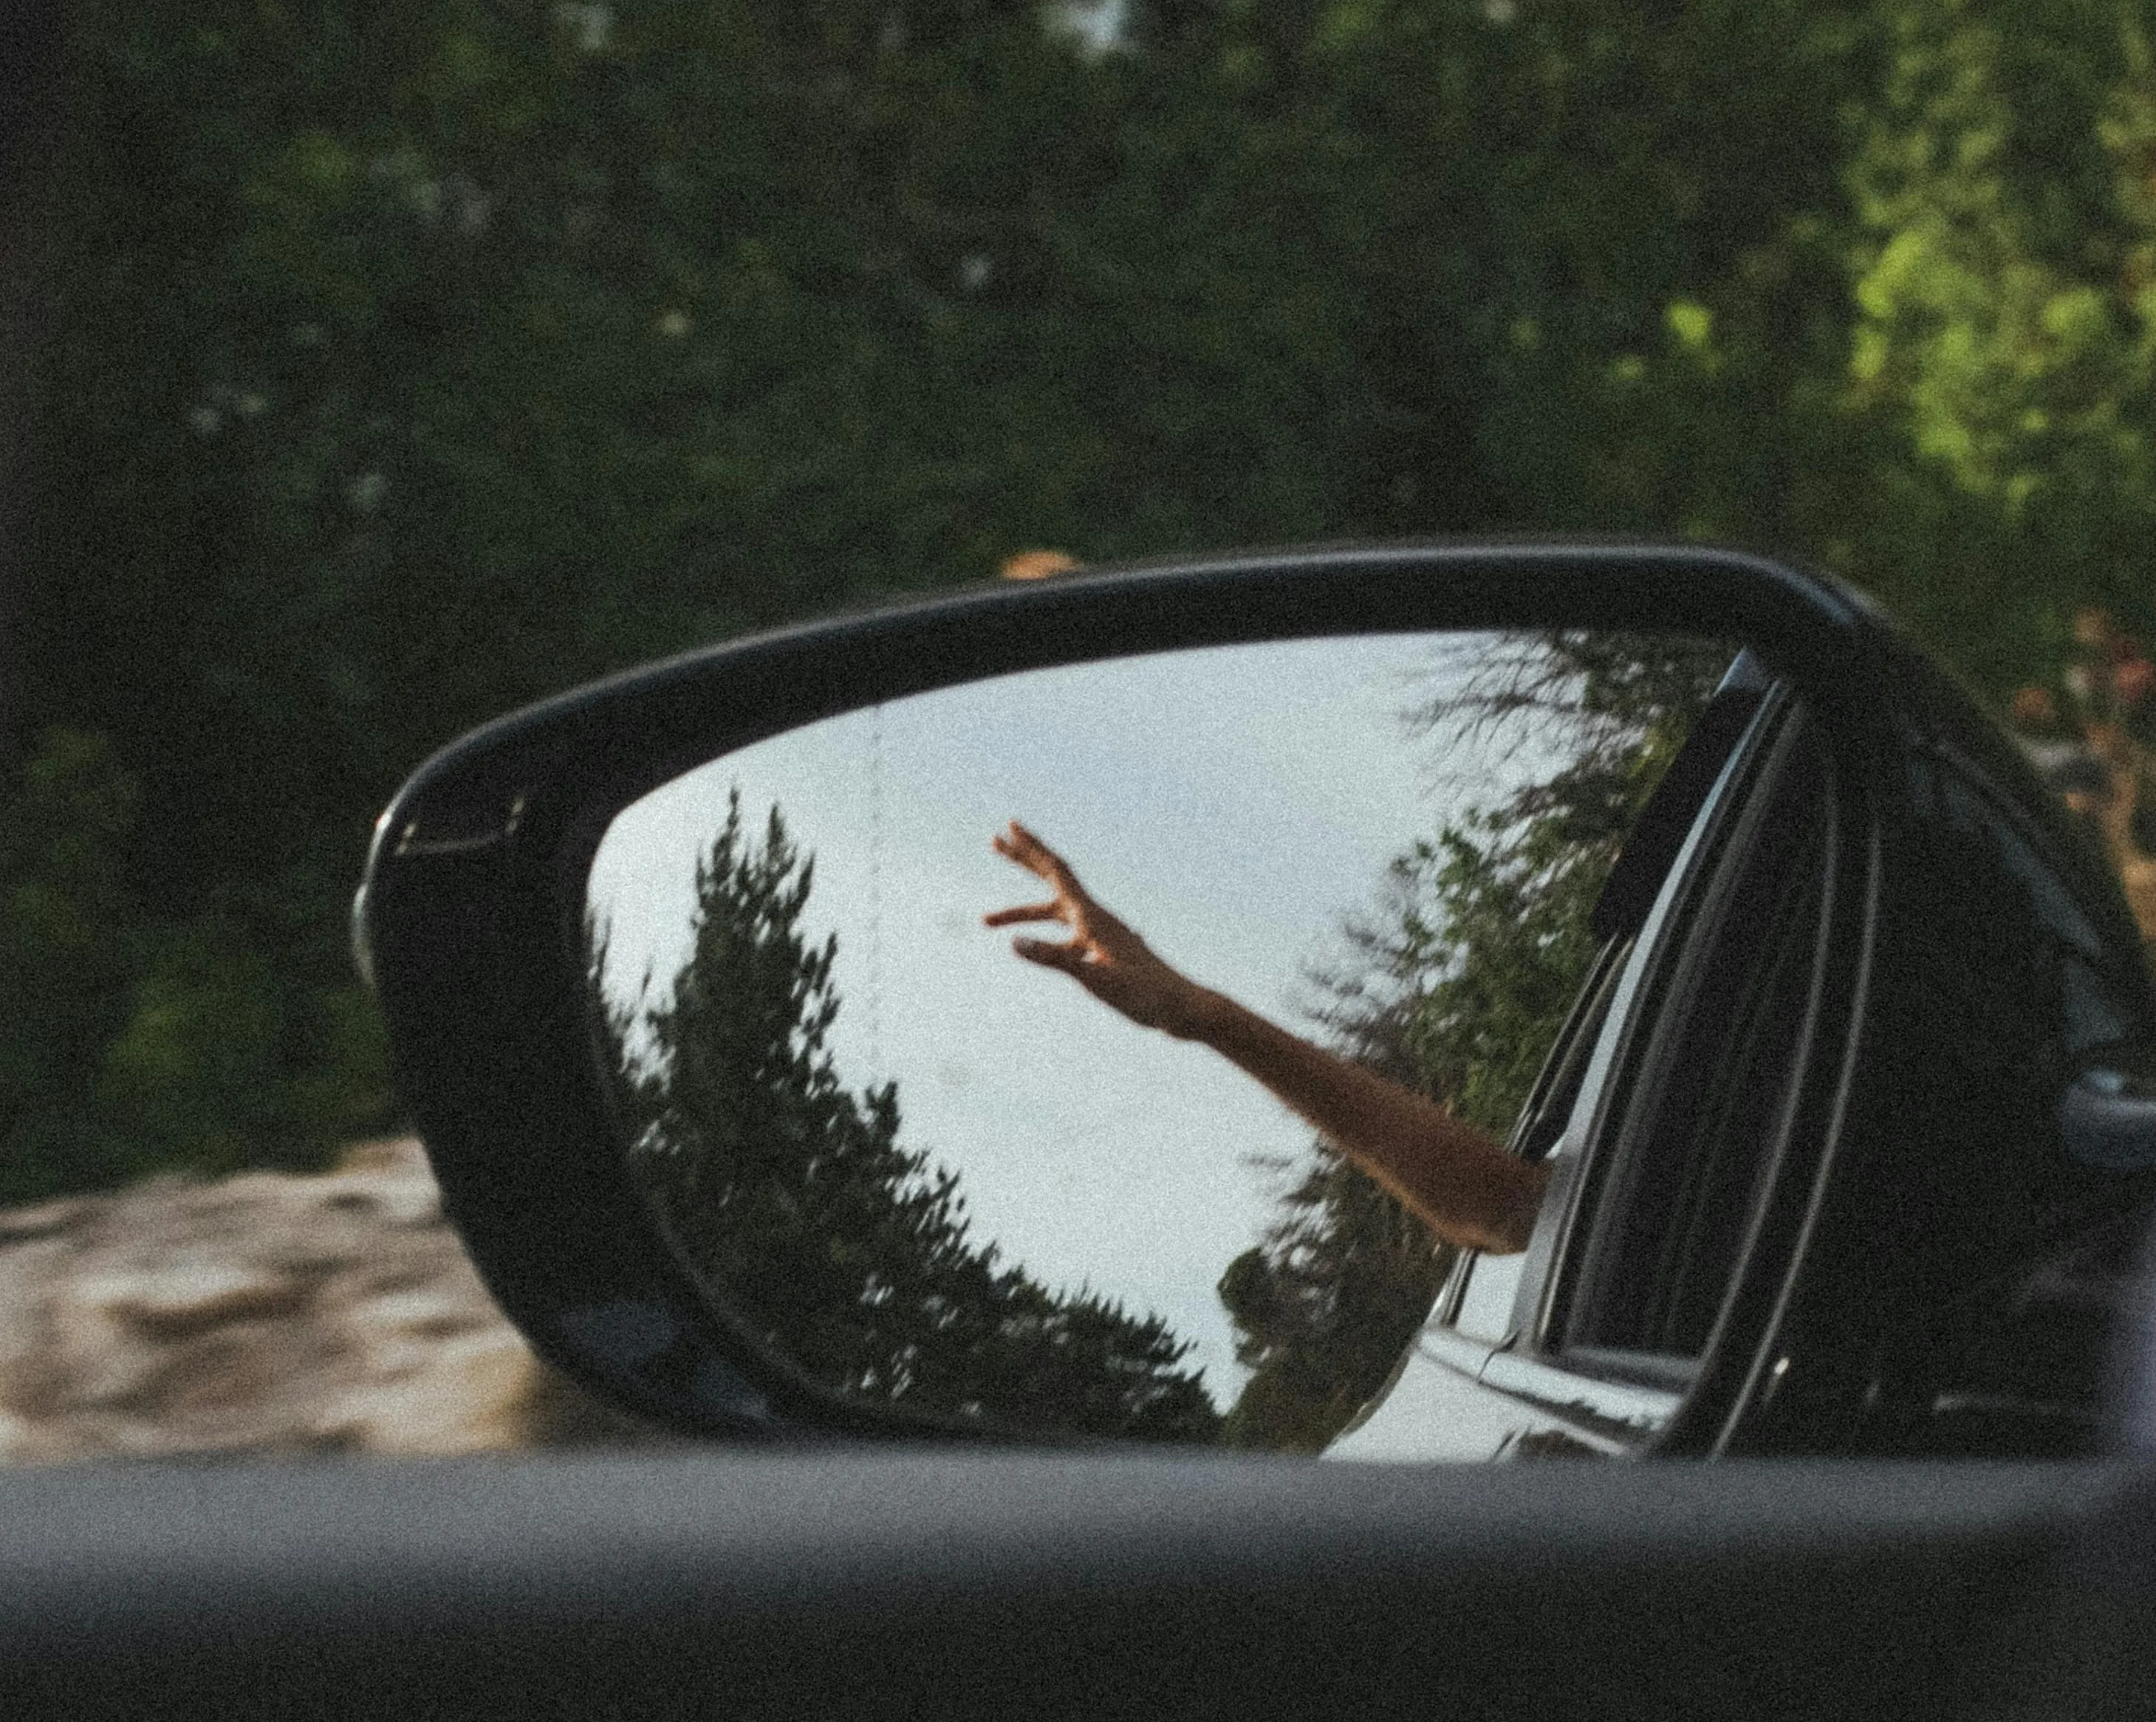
x=931 y=1173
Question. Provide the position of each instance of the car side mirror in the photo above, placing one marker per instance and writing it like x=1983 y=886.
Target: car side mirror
x=753 y=1125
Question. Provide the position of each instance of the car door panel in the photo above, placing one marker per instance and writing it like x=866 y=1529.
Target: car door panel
x=871 y=1583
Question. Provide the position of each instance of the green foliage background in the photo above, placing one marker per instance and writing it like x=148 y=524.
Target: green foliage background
x=407 y=360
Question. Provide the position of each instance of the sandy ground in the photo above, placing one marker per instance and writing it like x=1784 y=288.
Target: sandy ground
x=266 y=1314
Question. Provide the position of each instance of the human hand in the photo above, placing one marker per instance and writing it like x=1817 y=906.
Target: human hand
x=1102 y=955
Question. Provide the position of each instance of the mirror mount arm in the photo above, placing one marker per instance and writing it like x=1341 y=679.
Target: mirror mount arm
x=2108 y=1119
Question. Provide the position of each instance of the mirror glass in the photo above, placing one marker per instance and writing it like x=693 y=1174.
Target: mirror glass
x=935 y=1170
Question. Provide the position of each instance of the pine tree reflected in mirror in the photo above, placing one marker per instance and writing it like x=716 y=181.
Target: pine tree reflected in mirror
x=931 y=1178
x=789 y=1193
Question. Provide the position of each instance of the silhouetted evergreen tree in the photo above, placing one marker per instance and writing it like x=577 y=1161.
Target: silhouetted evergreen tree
x=791 y=1192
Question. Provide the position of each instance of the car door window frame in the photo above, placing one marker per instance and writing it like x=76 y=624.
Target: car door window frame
x=1755 y=934
x=1595 y=1042
x=1694 y=908
x=1616 y=1400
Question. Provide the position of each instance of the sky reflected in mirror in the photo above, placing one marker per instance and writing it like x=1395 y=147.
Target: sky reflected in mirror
x=1236 y=805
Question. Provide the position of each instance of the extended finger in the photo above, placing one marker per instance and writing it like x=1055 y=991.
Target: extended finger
x=1030 y=911
x=1049 y=955
x=1023 y=847
x=1012 y=850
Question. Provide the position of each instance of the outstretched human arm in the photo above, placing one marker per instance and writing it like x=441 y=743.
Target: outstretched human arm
x=1461 y=1183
